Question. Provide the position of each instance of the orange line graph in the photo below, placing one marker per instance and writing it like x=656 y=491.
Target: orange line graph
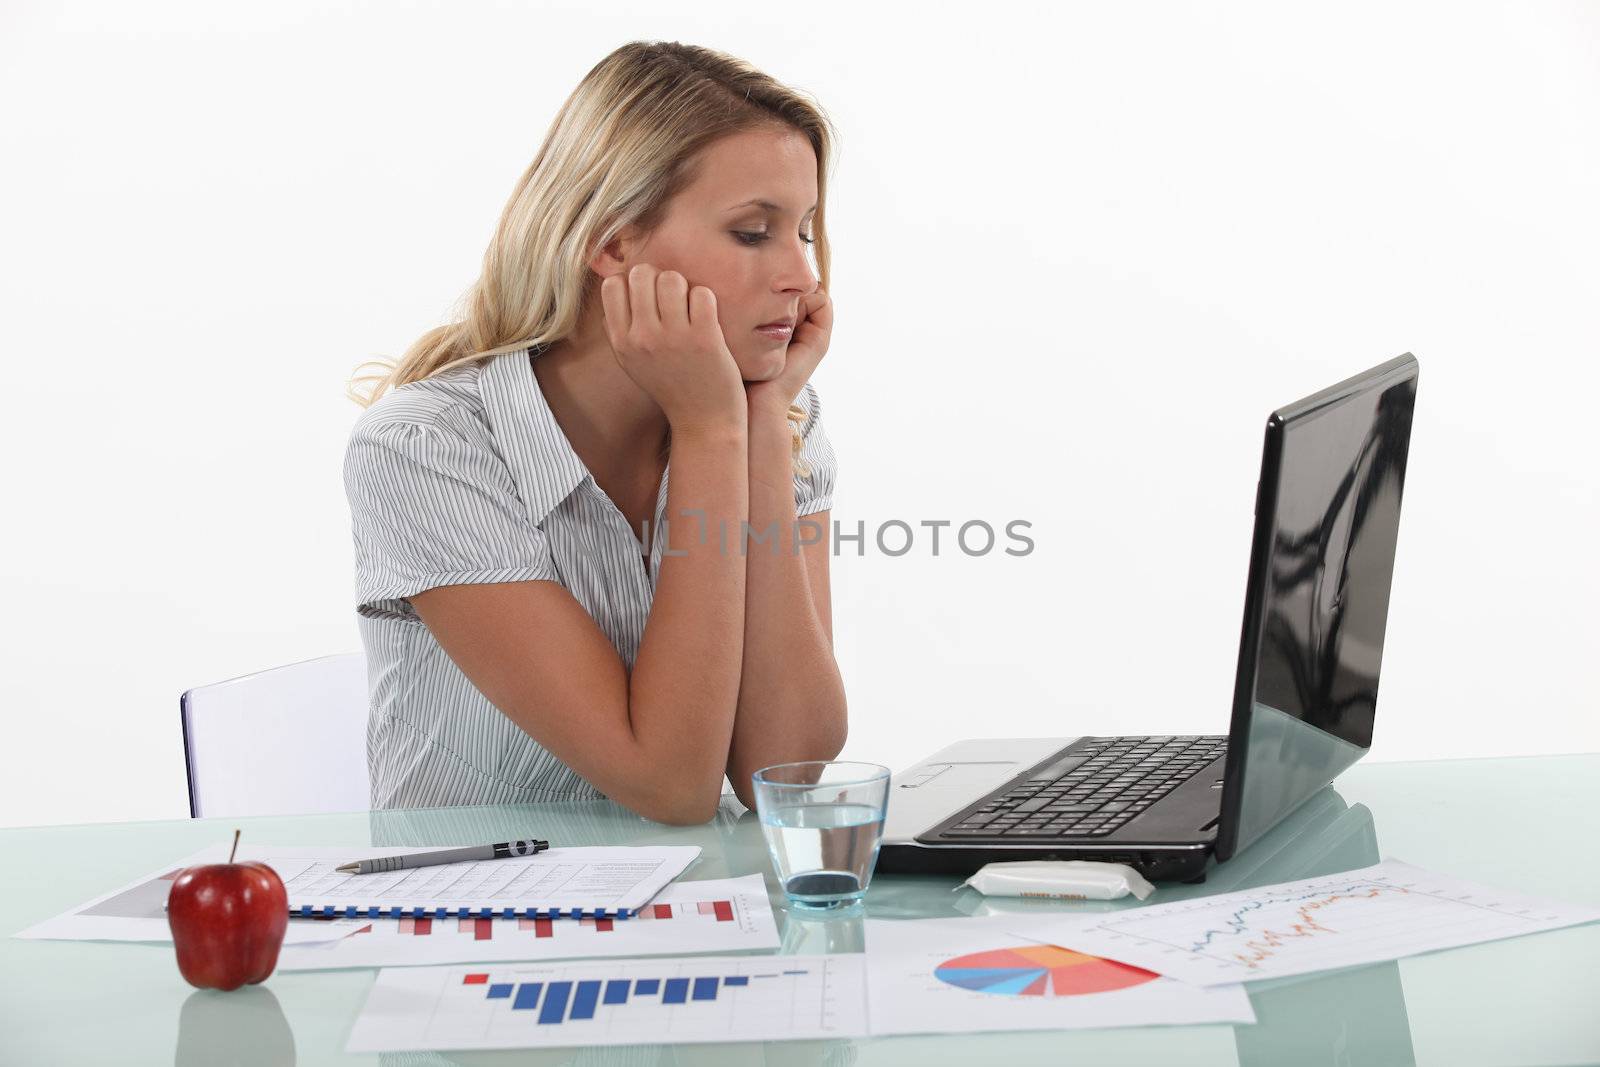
x=1263 y=947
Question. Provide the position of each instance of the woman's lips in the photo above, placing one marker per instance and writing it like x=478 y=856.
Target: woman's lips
x=777 y=333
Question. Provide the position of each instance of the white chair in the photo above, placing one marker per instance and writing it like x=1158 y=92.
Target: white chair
x=287 y=741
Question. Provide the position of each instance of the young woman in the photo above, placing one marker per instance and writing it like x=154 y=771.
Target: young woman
x=592 y=519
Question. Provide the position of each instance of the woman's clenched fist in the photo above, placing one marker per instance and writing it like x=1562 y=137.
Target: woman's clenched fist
x=666 y=338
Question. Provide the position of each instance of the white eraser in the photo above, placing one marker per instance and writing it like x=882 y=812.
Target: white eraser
x=1060 y=880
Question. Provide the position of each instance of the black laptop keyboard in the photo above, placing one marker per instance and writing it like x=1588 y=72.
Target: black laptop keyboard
x=1090 y=790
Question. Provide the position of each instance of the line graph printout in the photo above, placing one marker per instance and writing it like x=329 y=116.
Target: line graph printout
x=711 y=915
x=613 y=1002
x=1384 y=912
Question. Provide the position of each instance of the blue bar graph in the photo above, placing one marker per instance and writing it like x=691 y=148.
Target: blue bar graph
x=555 y=1003
x=583 y=1000
x=584 y=996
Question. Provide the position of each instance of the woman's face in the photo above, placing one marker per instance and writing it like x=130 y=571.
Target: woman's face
x=754 y=257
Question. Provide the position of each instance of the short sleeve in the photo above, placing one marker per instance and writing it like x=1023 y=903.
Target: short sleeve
x=813 y=491
x=429 y=507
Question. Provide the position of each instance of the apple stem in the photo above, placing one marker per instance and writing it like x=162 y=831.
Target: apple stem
x=235 y=846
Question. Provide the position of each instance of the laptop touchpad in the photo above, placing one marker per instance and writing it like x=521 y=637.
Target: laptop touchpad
x=960 y=775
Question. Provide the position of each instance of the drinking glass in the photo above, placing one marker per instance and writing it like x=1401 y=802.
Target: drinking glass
x=823 y=822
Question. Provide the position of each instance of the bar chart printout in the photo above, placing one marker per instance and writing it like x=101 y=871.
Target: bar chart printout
x=613 y=1002
x=712 y=916
x=1384 y=912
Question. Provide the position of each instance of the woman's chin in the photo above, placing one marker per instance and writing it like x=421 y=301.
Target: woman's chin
x=762 y=366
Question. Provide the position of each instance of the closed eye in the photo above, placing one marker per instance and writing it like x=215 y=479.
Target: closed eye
x=756 y=238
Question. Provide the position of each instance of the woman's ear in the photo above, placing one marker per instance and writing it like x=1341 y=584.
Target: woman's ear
x=612 y=257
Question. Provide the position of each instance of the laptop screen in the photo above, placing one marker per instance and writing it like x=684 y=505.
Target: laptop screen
x=1328 y=514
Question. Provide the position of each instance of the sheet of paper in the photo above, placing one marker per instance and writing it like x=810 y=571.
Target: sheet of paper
x=966 y=975
x=663 y=1000
x=580 y=877
x=137 y=911
x=715 y=915
x=1378 y=913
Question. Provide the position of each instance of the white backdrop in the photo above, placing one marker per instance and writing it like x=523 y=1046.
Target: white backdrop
x=1081 y=251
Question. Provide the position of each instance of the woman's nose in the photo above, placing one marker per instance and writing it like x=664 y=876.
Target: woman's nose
x=797 y=273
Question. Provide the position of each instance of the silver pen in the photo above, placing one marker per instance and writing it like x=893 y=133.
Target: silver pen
x=449 y=855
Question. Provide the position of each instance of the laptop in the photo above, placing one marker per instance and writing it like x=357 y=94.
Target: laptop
x=1305 y=692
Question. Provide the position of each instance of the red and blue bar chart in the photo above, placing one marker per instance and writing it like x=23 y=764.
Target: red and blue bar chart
x=614 y=1002
x=484 y=929
x=559 y=1001
x=716 y=916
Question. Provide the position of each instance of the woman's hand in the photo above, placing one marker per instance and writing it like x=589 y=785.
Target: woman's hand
x=809 y=344
x=666 y=337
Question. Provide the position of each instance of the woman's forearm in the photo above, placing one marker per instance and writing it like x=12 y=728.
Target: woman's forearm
x=685 y=682
x=791 y=703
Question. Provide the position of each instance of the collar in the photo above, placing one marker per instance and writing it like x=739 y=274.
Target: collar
x=541 y=459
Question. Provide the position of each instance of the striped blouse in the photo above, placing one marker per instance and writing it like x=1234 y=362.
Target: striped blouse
x=463 y=478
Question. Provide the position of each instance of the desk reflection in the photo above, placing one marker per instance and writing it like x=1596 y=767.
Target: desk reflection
x=244 y=1027
x=733 y=1054
x=1353 y=1016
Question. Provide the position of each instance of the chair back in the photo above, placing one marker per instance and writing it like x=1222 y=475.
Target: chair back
x=287 y=741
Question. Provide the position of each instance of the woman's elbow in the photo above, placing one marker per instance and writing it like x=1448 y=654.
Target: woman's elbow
x=840 y=722
x=681 y=806
x=694 y=816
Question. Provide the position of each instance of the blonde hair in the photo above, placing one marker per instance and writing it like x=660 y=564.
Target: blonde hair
x=623 y=144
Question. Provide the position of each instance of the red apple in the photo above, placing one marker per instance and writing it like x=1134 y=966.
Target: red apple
x=228 y=922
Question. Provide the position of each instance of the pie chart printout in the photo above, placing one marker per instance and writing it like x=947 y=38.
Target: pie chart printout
x=1038 y=971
